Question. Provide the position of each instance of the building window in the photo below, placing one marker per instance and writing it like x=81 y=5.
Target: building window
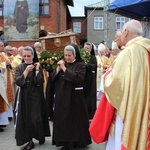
x=1 y=8
x=44 y=7
x=77 y=27
x=98 y=23
x=1 y=12
x=120 y=21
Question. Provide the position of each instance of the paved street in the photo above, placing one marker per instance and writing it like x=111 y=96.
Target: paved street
x=7 y=141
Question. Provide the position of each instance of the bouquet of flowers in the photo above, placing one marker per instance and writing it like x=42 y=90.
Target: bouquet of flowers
x=85 y=55
x=49 y=60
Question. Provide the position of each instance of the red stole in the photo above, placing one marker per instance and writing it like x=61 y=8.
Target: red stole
x=2 y=107
x=9 y=89
x=99 y=127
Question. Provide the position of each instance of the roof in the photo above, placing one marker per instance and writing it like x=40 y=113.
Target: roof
x=70 y=2
x=98 y=4
x=95 y=6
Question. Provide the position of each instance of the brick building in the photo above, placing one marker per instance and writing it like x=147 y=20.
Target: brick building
x=54 y=16
x=79 y=26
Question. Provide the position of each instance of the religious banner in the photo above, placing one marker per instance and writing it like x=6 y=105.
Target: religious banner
x=21 y=20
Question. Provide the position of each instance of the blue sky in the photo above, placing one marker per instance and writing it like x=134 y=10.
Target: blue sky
x=78 y=9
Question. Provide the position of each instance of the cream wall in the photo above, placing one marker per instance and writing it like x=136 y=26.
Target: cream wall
x=96 y=36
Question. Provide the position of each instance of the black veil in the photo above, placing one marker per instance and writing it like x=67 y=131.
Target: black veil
x=92 y=50
x=78 y=56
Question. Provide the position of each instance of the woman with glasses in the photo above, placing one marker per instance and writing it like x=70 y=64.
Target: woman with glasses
x=31 y=119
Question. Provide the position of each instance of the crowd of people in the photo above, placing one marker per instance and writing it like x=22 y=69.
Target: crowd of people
x=118 y=76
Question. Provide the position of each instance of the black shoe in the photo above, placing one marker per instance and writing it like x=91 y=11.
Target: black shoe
x=1 y=130
x=66 y=148
x=42 y=141
x=2 y=126
x=10 y=118
x=29 y=146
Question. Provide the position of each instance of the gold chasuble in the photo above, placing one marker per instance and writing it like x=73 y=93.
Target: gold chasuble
x=10 y=90
x=127 y=89
x=4 y=105
x=16 y=61
x=104 y=62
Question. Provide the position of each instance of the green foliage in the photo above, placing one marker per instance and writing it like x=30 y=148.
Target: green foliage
x=85 y=55
x=49 y=60
x=33 y=20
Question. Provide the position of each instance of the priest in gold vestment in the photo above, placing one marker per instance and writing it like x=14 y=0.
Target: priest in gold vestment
x=4 y=103
x=9 y=80
x=102 y=63
x=127 y=90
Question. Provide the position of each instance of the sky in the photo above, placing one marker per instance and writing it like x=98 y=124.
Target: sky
x=78 y=9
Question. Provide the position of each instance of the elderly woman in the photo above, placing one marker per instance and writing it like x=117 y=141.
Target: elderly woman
x=70 y=121
x=31 y=119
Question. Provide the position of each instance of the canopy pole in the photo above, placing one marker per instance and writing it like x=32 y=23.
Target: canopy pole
x=106 y=21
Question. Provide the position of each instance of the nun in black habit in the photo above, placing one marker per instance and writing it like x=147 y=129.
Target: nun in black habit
x=70 y=120
x=90 y=85
x=31 y=119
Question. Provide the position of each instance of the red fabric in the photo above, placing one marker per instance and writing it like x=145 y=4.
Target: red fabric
x=107 y=72
x=101 y=121
x=123 y=148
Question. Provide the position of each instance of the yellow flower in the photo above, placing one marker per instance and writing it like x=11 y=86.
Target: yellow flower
x=51 y=62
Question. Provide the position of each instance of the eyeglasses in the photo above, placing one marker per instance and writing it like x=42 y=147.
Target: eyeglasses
x=26 y=55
